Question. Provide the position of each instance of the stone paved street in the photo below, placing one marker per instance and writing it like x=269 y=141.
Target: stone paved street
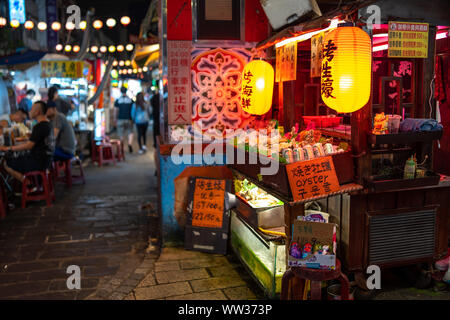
x=100 y=227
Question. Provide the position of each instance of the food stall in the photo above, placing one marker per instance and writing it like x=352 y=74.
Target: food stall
x=380 y=128
x=348 y=125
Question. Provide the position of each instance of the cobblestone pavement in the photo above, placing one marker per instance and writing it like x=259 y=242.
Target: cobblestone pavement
x=99 y=226
x=180 y=274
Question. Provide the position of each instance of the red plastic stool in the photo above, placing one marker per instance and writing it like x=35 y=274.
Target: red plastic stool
x=316 y=276
x=102 y=153
x=42 y=180
x=120 y=153
x=66 y=165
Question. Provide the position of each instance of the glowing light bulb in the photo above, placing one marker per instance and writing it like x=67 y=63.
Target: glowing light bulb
x=82 y=25
x=94 y=49
x=67 y=48
x=129 y=47
x=121 y=63
x=125 y=20
x=127 y=63
x=98 y=24
x=120 y=48
x=15 y=23
x=59 y=47
x=115 y=63
x=29 y=25
x=103 y=49
x=145 y=69
x=2 y=22
x=76 y=48
x=70 y=26
x=56 y=26
x=111 y=49
x=42 y=26
x=111 y=22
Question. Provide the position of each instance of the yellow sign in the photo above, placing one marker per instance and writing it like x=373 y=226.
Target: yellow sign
x=286 y=62
x=62 y=69
x=316 y=54
x=407 y=40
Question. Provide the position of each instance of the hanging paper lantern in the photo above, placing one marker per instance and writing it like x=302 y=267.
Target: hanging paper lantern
x=346 y=69
x=257 y=87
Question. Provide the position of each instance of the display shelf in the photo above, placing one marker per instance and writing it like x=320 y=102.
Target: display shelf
x=405 y=137
x=396 y=184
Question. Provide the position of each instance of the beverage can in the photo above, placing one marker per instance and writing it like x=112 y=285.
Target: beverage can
x=298 y=154
x=309 y=151
x=288 y=155
x=328 y=148
x=318 y=150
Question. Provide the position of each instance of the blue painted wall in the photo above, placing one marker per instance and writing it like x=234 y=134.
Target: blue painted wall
x=172 y=234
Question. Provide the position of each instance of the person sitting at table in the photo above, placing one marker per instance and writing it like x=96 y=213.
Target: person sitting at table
x=7 y=119
x=65 y=136
x=27 y=102
x=40 y=144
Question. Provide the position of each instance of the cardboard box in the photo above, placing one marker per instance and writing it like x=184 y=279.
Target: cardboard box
x=309 y=242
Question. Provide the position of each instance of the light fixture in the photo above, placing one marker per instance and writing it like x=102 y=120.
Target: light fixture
x=333 y=25
x=380 y=48
x=67 y=48
x=380 y=35
x=94 y=49
x=115 y=63
x=129 y=47
x=125 y=20
x=76 y=48
x=111 y=22
x=82 y=25
x=257 y=87
x=140 y=70
x=14 y=23
x=103 y=49
x=111 y=49
x=120 y=48
x=121 y=63
x=134 y=70
x=127 y=63
x=42 y=26
x=145 y=69
x=59 y=47
x=130 y=71
x=98 y=24
x=29 y=25
x=56 y=26
x=70 y=25
x=346 y=69
x=442 y=35
x=2 y=22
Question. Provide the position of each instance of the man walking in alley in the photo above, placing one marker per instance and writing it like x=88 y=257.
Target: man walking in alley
x=123 y=115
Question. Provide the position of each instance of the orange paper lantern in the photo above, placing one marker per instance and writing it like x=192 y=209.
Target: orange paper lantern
x=346 y=69
x=257 y=87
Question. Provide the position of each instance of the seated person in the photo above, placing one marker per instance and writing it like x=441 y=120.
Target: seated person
x=41 y=146
x=27 y=101
x=65 y=136
x=19 y=116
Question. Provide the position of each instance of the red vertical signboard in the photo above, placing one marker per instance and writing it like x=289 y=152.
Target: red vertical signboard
x=179 y=68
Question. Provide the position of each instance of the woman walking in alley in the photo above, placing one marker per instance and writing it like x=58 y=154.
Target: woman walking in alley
x=139 y=114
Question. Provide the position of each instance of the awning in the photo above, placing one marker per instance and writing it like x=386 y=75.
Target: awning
x=28 y=56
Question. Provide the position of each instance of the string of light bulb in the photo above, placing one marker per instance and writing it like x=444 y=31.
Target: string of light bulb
x=56 y=25
x=102 y=49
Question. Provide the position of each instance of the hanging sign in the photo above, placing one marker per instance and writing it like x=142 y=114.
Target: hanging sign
x=407 y=40
x=316 y=54
x=179 y=68
x=286 y=62
x=313 y=178
x=208 y=219
x=62 y=69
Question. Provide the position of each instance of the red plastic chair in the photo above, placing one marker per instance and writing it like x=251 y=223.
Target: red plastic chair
x=43 y=181
x=120 y=153
x=66 y=165
x=102 y=152
x=316 y=276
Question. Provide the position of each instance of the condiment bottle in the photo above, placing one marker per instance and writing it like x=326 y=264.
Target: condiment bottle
x=410 y=169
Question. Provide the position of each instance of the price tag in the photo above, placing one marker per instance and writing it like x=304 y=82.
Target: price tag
x=208 y=205
x=313 y=178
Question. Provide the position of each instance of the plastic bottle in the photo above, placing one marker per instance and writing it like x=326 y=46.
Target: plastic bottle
x=410 y=169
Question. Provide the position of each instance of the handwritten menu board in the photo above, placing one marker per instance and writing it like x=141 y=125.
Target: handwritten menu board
x=286 y=62
x=407 y=40
x=313 y=178
x=208 y=203
x=179 y=92
x=208 y=218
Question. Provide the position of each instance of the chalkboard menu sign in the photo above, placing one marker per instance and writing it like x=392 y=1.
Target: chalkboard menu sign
x=208 y=218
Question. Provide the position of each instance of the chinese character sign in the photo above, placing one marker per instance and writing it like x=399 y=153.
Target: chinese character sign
x=407 y=40
x=208 y=205
x=316 y=54
x=286 y=62
x=313 y=178
x=62 y=69
x=179 y=68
